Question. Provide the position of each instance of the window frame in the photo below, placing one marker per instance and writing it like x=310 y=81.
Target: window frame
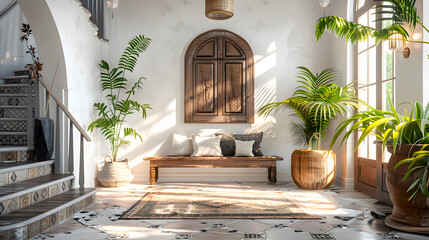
x=376 y=189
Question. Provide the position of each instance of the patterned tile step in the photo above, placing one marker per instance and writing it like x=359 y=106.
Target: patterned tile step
x=28 y=222
x=32 y=191
x=15 y=89
x=13 y=112
x=14 y=101
x=15 y=156
x=15 y=166
x=19 y=140
x=30 y=185
x=33 y=168
x=17 y=80
x=13 y=126
x=22 y=72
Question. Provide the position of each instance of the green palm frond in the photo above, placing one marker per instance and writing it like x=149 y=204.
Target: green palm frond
x=137 y=45
x=112 y=115
x=397 y=12
x=315 y=102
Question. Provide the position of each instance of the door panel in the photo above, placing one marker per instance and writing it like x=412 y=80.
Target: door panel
x=233 y=81
x=205 y=100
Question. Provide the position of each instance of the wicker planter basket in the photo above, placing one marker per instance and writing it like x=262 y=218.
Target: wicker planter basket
x=313 y=170
x=115 y=174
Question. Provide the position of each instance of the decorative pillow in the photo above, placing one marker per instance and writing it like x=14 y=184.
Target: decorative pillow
x=227 y=142
x=244 y=148
x=206 y=146
x=182 y=145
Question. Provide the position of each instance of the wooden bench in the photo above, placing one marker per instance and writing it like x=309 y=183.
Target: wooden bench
x=213 y=162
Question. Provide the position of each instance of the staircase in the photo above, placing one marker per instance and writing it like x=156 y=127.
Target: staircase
x=34 y=195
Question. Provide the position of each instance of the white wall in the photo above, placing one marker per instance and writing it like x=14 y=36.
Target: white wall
x=281 y=34
x=12 y=50
x=63 y=33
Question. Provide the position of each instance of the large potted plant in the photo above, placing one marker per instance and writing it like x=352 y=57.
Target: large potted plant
x=118 y=106
x=406 y=136
x=315 y=102
x=407 y=139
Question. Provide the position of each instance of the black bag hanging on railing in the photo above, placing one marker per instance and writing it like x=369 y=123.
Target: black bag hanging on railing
x=43 y=138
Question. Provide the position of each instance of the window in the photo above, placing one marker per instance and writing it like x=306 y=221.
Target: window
x=219 y=79
x=375 y=74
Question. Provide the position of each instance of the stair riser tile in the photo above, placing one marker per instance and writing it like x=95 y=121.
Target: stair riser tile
x=49 y=222
x=21 y=80
x=19 y=233
x=16 y=156
x=25 y=174
x=64 y=186
x=4 y=179
x=25 y=200
x=18 y=176
x=13 y=113
x=15 y=90
x=13 y=126
x=20 y=140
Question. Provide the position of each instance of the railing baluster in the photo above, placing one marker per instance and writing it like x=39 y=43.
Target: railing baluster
x=81 y=165
x=58 y=167
x=47 y=105
x=71 y=160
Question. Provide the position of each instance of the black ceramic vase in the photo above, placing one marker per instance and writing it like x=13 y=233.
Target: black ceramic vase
x=43 y=138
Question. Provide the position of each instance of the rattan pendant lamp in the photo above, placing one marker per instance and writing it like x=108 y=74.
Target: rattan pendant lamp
x=219 y=9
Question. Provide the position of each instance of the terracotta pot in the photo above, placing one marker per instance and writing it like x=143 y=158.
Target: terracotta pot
x=404 y=211
x=313 y=170
x=115 y=174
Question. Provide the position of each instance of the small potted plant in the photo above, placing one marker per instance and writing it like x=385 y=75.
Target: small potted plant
x=119 y=105
x=315 y=102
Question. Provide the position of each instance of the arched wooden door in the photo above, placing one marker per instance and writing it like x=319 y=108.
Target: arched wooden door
x=219 y=79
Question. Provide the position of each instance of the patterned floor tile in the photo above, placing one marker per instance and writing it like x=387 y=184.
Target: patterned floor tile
x=348 y=234
x=188 y=226
x=249 y=226
x=217 y=234
x=279 y=234
x=311 y=226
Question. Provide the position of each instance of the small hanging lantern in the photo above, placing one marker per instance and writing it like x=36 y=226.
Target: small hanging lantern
x=395 y=42
x=219 y=9
x=112 y=4
x=325 y=3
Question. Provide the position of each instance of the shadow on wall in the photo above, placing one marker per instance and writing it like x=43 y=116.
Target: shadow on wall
x=163 y=123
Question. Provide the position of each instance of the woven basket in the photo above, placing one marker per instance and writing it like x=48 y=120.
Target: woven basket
x=219 y=9
x=115 y=174
x=313 y=170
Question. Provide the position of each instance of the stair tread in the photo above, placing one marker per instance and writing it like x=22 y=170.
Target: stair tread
x=13 y=85
x=15 y=166
x=13 y=133
x=45 y=207
x=15 y=148
x=16 y=77
x=15 y=95
x=27 y=186
x=12 y=106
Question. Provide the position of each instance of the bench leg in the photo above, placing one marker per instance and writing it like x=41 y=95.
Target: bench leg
x=272 y=175
x=153 y=175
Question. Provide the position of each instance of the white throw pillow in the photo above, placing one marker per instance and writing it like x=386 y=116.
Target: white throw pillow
x=182 y=145
x=244 y=148
x=206 y=146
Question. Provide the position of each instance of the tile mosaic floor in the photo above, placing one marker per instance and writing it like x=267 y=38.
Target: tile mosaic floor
x=346 y=216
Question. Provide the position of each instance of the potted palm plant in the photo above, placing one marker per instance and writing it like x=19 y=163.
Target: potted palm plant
x=315 y=102
x=406 y=136
x=119 y=105
x=407 y=139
